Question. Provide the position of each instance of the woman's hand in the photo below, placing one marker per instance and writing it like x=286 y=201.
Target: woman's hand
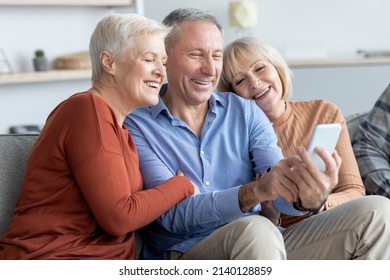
x=196 y=189
x=315 y=185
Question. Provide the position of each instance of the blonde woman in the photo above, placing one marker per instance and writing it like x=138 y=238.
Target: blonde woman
x=256 y=71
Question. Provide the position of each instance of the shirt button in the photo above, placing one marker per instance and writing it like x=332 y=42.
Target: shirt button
x=202 y=152
x=207 y=183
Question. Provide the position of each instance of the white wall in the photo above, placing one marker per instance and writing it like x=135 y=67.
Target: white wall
x=334 y=28
x=353 y=89
x=59 y=31
x=331 y=27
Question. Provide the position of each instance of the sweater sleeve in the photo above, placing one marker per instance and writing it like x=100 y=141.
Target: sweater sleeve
x=104 y=161
x=295 y=128
x=350 y=184
x=117 y=209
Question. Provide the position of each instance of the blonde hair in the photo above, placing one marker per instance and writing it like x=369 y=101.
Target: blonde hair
x=250 y=46
x=116 y=33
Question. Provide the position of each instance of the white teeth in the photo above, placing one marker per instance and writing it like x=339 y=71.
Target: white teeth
x=153 y=84
x=201 y=82
x=262 y=93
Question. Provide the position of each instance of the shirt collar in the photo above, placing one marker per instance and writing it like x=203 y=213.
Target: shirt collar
x=160 y=107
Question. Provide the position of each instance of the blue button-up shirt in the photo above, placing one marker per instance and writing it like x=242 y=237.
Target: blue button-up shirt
x=237 y=140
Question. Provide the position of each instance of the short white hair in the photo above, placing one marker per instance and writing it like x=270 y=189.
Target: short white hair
x=116 y=33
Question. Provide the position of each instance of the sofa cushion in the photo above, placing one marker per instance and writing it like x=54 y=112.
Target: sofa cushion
x=14 y=151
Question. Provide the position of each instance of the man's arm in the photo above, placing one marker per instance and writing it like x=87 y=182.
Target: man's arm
x=265 y=149
x=372 y=147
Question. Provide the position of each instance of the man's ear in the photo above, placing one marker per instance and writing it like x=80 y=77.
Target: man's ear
x=107 y=61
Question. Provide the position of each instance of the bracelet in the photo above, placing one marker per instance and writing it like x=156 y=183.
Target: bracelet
x=298 y=205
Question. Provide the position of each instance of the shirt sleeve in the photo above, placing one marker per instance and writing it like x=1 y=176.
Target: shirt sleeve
x=372 y=147
x=266 y=153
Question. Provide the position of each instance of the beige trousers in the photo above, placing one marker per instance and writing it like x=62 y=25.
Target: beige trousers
x=358 y=229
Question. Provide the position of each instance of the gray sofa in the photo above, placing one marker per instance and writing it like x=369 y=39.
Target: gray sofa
x=14 y=151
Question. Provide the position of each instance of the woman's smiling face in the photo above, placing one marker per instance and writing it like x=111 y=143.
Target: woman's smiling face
x=259 y=80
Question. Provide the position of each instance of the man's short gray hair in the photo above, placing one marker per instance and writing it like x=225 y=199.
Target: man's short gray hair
x=178 y=16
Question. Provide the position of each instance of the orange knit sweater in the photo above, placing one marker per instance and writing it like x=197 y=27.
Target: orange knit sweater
x=294 y=128
x=82 y=195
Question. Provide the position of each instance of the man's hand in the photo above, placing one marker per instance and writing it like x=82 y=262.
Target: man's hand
x=268 y=210
x=296 y=178
x=273 y=183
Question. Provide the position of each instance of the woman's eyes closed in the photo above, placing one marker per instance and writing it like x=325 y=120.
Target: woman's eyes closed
x=239 y=81
x=259 y=68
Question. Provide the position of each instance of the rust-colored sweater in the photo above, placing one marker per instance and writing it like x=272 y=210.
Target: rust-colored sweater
x=294 y=128
x=81 y=196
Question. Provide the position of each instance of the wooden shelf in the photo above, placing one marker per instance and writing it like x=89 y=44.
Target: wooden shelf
x=44 y=76
x=108 y=3
x=338 y=62
x=64 y=75
x=55 y=75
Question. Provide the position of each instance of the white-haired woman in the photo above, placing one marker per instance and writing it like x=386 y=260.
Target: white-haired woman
x=82 y=194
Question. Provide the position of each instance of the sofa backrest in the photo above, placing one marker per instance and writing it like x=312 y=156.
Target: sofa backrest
x=14 y=151
x=353 y=122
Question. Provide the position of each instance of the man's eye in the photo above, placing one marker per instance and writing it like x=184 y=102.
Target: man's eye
x=196 y=55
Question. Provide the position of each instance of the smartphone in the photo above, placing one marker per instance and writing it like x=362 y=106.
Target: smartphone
x=324 y=135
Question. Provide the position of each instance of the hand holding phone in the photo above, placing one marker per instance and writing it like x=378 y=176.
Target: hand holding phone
x=326 y=136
